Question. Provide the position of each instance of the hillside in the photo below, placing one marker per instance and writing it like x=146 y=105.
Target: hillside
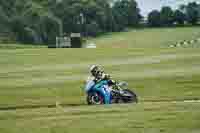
x=42 y=78
x=150 y=37
x=137 y=38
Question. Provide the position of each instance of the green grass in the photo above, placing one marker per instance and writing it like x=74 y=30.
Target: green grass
x=41 y=77
x=20 y=46
x=144 y=117
x=140 y=38
x=44 y=76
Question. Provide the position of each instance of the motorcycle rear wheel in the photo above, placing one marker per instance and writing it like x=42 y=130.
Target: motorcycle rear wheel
x=94 y=98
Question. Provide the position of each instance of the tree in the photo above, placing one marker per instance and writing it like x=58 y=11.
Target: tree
x=3 y=20
x=126 y=13
x=179 y=17
x=166 y=16
x=40 y=21
x=134 y=15
x=192 y=13
x=154 y=18
x=93 y=29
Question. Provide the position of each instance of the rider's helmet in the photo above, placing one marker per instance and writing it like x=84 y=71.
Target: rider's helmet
x=94 y=69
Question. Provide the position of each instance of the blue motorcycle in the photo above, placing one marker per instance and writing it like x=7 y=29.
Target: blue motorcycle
x=105 y=93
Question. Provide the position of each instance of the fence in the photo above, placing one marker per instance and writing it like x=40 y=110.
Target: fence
x=63 y=42
x=6 y=37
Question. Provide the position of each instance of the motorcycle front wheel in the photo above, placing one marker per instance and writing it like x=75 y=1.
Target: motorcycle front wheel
x=129 y=96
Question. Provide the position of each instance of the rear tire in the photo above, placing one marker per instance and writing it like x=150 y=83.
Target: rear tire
x=94 y=98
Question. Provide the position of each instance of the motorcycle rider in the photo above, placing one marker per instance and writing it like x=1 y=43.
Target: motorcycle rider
x=98 y=73
x=100 y=81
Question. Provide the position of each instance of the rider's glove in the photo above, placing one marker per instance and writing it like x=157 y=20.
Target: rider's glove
x=111 y=82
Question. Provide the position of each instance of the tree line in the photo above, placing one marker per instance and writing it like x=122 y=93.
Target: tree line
x=186 y=14
x=40 y=21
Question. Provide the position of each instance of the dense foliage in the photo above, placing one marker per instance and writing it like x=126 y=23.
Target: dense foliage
x=188 y=14
x=39 y=21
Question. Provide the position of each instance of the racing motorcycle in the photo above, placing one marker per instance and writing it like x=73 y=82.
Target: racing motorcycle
x=119 y=94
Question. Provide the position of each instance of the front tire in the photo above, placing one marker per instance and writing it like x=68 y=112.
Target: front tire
x=129 y=96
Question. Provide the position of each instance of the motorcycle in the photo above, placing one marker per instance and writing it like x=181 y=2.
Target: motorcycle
x=119 y=94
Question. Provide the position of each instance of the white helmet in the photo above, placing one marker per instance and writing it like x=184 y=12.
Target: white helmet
x=94 y=69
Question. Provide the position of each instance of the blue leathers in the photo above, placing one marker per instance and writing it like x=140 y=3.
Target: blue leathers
x=99 y=83
x=101 y=87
